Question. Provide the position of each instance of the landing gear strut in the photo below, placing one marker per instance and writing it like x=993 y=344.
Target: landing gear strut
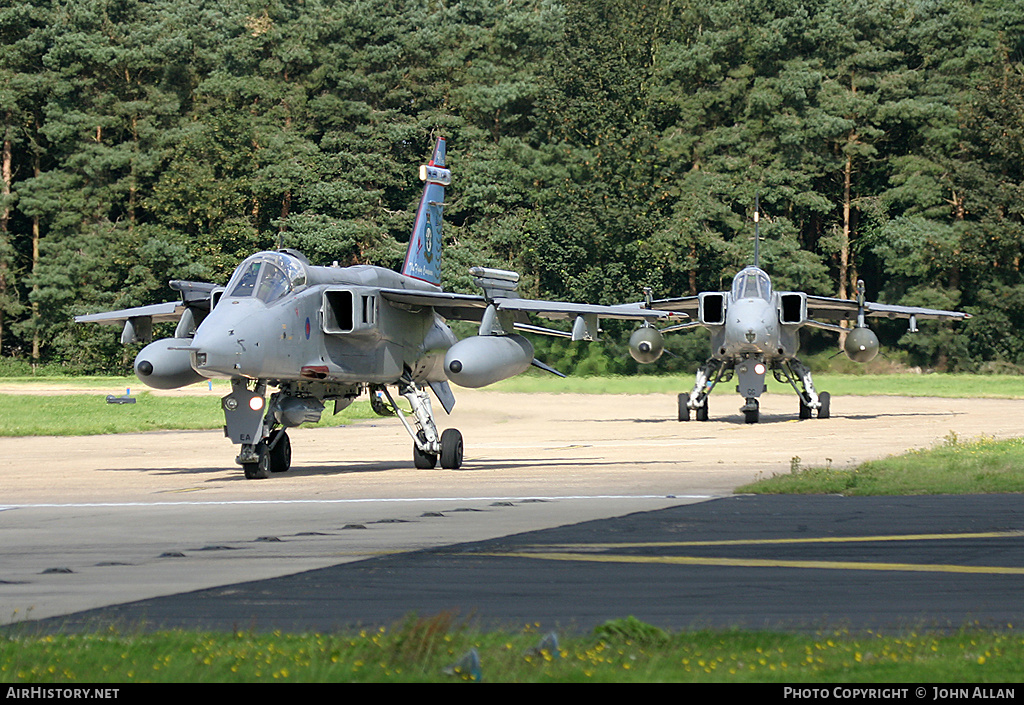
x=799 y=377
x=708 y=375
x=427 y=445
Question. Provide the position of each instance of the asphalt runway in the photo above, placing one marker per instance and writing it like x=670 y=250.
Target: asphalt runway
x=781 y=563
x=569 y=510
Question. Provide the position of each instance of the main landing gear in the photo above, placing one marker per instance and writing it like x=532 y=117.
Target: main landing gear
x=266 y=448
x=708 y=375
x=799 y=377
x=684 y=408
x=427 y=446
x=792 y=371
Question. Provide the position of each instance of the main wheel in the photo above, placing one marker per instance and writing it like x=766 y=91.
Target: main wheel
x=684 y=410
x=260 y=470
x=422 y=459
x=702 y=411
x=281 y=454
x=451 y=449
x=805 y=411
x=824 y=412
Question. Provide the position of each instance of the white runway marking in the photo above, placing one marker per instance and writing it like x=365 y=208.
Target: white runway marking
x=406 y=500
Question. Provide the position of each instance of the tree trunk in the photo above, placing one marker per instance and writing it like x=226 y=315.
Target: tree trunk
x=844 y=244
x=36 y=169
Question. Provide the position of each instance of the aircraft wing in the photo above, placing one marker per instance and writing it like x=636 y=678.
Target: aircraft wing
x=562 y=310
x=828 y=308
x=196 y=301
x=159 y=313
x=683 y=304
x=195 y=295
x=468 y=307
x=846 y=310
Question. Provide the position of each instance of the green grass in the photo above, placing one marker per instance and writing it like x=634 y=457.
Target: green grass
x=905 y=384
x=957 y=466
x=535 y=381
x=431 y=650
x=115 y=385
x=90 y=414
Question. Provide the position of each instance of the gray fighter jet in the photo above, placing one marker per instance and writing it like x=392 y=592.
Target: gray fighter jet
x=318 y=334
x=755 y=329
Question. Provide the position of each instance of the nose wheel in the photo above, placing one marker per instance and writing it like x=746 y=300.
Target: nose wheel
x=260 y=468
x=271 y=455
x=751 y=411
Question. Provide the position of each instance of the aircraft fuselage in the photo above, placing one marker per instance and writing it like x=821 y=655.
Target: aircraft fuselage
x=331 y=324
x=752 y=326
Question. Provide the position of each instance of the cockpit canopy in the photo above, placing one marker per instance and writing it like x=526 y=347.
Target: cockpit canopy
x=752 y=283
x=267 y=276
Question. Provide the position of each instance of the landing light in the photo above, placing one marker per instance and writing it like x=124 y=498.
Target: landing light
x=759 y=368
x=256 y=403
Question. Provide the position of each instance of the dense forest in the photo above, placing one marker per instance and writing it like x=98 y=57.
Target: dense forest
x=597 y=146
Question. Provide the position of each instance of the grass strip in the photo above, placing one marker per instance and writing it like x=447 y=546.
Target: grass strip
x=956 y=466
x=912 y=385
x=90 y=414
x=437 y=649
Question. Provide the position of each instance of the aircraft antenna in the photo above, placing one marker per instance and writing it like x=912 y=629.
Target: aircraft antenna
x=757 y=233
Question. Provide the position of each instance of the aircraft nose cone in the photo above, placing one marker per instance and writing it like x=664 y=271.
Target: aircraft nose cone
x=233 y=340
x=215 y=352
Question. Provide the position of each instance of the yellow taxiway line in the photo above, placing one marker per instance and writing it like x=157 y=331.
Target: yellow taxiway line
x=583 y=552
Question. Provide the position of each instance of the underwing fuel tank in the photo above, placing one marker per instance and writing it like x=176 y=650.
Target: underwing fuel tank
x=160 y=366
x=646 y=344
x=486 y=359
x=861 y=345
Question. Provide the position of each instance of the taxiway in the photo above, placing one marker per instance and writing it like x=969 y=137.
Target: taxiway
x=96 y=523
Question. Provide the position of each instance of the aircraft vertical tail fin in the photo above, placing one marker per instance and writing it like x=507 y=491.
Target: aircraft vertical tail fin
x=423 y=259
